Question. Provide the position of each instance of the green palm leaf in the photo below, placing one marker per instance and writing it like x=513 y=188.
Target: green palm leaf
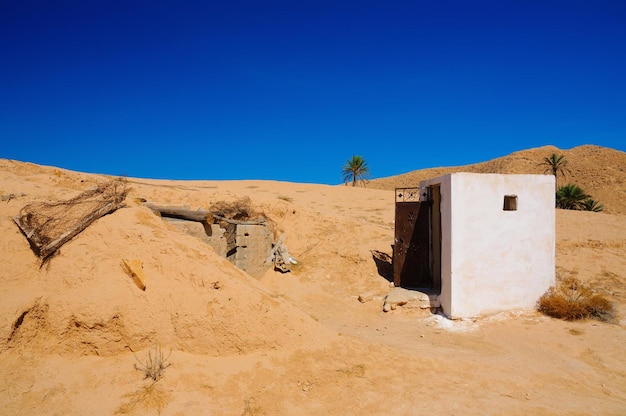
x=355 y=170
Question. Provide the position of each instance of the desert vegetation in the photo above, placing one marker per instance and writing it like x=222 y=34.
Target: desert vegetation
x=555 y=165
x=155 y=364
x=355 y=170
x=571 y=300
x=572 y=196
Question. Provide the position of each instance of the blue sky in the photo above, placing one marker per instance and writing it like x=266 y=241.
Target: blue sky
x=289 y=90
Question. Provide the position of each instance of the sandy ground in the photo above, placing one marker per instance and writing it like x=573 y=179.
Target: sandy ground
x=72 y=331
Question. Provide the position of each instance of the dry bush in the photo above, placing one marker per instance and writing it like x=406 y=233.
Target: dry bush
x=240 y=209
x=49 y=225
x=155 y=364
x=571 y=300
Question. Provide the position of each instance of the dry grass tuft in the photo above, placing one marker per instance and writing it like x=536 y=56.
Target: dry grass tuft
x=571 y=300
x=155 y=364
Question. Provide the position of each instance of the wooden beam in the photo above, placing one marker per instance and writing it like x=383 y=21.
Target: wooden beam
x=180 y=213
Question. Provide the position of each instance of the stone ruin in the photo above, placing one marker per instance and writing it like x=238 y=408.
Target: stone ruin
x=235 y=231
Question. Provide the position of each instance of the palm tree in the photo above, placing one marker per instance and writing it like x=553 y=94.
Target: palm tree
x=355 y=170
x=555 y=164
x=571 y=196
x=591 y=205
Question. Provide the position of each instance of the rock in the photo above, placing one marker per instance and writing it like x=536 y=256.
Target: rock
x=134 y=268
x=365 y=297
x=409 y=298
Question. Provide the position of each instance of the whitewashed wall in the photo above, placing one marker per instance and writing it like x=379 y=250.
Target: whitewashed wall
x=494 y=260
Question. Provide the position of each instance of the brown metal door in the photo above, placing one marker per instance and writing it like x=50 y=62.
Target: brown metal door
x=411 y=254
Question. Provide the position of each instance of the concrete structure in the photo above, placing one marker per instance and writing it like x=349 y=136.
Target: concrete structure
x=491 y=240
x=253 y=247
x=246 y=246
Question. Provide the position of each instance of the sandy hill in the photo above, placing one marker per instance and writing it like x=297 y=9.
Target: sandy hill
x=600 y=171
x=73 y=330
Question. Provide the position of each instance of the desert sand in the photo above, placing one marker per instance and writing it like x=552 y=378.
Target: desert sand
x=299 y=343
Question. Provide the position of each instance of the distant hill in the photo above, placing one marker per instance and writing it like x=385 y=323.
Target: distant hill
x=600 y=171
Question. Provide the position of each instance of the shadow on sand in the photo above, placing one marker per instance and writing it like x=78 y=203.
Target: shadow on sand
x=384 y=264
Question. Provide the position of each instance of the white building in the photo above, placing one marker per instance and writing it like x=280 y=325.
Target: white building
x=480 y=243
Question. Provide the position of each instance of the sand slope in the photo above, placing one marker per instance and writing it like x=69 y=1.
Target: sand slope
x=298 y=343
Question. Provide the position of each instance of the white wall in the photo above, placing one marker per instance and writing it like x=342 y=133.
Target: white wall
x=494 y=260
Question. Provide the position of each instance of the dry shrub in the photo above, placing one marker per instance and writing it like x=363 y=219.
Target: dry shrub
x=240 y=209
x=49 y=225
x=571 y=300
x=150 y=396
x=155 y=364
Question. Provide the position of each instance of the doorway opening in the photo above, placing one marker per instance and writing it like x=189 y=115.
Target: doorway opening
x=417 y=242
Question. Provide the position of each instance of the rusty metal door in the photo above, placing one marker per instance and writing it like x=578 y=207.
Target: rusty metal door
x=411 y=253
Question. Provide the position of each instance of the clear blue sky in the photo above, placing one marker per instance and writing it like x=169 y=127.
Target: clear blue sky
x=289 y=90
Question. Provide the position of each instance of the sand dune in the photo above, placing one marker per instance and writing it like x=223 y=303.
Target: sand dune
x=72 y=331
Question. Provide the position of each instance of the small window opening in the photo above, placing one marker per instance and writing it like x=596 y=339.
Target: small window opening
x=510 y=203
